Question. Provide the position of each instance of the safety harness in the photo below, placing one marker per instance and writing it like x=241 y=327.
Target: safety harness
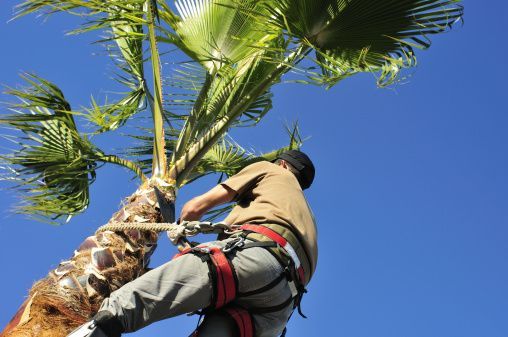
x=225 y=283
x=281 y=242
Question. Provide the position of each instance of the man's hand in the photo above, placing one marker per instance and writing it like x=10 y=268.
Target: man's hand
x=192 y=210
x=195 y=208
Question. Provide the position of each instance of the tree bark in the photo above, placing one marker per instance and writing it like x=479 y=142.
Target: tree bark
x=72 y=293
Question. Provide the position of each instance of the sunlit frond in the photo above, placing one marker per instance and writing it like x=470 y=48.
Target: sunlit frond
x=110 y=116
x=184 y=84
x=226 y=100
x=218 y=33
x=121 y=21
x=125 y=47
x=351 y=36
x=226 y=157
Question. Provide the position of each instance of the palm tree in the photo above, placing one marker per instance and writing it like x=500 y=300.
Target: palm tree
x=236 y=50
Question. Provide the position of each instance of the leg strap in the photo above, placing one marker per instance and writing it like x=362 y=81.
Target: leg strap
x=225 y=283
x=234 y=321
x=242 y=319
x=222 y=273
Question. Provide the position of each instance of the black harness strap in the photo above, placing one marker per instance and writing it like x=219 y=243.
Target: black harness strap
x=278 y=307
x=289 y=271
x=263 y=288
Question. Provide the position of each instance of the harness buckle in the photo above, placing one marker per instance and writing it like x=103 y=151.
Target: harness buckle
x=293 y=288
x=291 y=282
x=238 y=242
x=201 y=249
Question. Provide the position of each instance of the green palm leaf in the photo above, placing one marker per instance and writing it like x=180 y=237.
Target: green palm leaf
x=228 y=157
x=123 y=22
x=217 y=33
x=127 y=54
x=238 y=90
x=53 y=165
x=141 y=151
x=99 y=14
x=351 y=36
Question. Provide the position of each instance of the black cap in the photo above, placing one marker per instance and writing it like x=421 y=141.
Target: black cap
x=302 y=163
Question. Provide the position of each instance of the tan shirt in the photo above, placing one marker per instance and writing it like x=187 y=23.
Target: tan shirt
x=268 y=193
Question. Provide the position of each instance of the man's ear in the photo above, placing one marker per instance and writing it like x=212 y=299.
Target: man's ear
x=283 y=164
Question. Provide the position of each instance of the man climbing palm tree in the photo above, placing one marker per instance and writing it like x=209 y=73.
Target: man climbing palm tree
x=235 y=52
x=246 y=284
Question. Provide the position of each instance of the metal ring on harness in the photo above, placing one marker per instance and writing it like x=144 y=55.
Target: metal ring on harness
x=222 y=274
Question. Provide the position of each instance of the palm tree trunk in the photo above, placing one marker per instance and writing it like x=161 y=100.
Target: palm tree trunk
x=72 y=293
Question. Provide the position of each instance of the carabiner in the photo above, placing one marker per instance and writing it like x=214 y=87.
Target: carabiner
x=233 y=244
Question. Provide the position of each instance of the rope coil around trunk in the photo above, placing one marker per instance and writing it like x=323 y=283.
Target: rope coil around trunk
x=176 y=231
x=146 y=226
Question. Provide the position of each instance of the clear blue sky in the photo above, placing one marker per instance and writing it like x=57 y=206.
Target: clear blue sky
x=410 y=197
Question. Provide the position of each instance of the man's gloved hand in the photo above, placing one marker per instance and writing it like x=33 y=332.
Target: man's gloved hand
x=103 y=324
x=108 y=323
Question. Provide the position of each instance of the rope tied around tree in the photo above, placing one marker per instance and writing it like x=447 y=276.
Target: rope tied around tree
x=176 y=231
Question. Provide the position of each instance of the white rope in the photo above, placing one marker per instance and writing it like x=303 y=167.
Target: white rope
x=176 y=231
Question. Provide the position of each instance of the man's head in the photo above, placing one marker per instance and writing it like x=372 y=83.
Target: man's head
x=299 y=164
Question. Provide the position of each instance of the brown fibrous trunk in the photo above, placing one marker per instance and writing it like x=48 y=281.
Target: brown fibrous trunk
x=73 y=292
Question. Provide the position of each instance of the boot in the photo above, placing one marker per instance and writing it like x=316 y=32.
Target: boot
x=89 y=329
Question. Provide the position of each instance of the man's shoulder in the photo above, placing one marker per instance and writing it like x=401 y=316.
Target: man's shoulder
x=261 y=165
x=265 y=166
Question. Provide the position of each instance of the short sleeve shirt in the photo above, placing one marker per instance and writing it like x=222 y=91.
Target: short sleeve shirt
x=268 y=193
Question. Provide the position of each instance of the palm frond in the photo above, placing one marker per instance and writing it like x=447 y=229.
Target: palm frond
x=41 y=93
x=122 y=21
x=351 y=36
x=227 y=157
x=217 y=94
x=184 y=83
x=217 y=33
x=128 y=35
x=111 y=116
x=230 y=96
x=142 y=150
x=99 y=14
x=125 y=47
x=52 y=164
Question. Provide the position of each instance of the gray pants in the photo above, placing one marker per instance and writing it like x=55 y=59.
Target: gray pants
x=183 y=285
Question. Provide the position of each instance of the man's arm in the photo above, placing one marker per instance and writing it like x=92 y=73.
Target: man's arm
x=196 y=207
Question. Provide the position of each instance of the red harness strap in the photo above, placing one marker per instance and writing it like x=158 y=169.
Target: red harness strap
x=279 y=239
x=226 y=286
x=223 y=274
x=243 y=320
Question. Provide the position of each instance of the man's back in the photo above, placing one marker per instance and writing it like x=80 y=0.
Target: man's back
x=270 y=194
